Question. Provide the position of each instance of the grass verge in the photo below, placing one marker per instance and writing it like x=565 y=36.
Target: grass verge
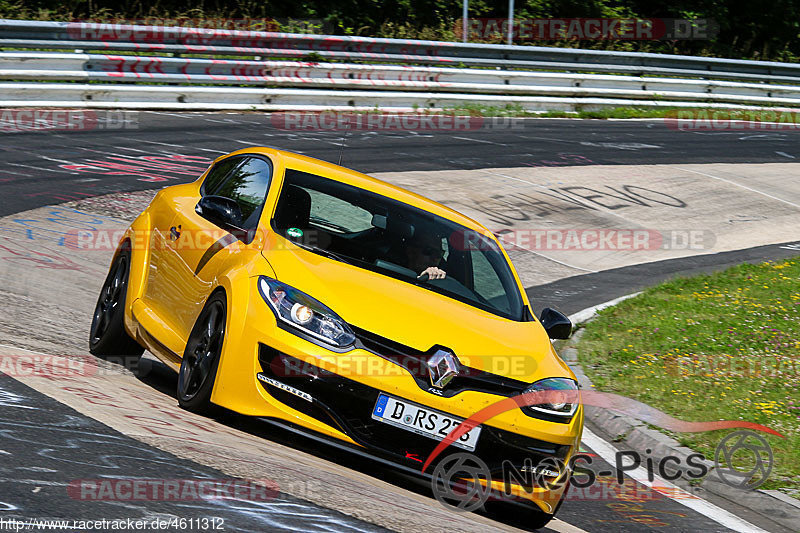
x=698 y=113
x=722 y=346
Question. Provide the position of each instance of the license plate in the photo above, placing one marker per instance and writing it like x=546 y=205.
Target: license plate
x=422 y=421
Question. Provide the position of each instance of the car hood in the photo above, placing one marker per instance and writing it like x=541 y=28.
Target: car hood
x=420 y=318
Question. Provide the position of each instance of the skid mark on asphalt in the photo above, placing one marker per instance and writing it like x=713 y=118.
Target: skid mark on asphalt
x=129 y=149
x=38 y=168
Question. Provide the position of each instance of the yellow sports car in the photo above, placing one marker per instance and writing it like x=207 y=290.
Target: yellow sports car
x=321 y=299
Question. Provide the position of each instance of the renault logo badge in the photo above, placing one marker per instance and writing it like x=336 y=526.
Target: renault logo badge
x=443 y=366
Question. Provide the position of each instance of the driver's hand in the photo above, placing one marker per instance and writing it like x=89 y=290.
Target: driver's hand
x=433 y=273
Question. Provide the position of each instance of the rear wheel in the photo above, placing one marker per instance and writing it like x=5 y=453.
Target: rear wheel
x=201 y=357
x=107 y=336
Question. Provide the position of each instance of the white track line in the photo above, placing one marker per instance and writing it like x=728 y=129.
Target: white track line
x=562 y=527
x=739 y=185
x=662 y=486
x=589 y=312
x=479 y=141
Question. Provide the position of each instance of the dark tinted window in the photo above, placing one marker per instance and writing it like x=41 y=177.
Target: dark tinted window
x=395 y=239
x=247 y=184
x=219 y=173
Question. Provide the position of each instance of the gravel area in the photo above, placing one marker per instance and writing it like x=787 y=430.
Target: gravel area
x=123 y=206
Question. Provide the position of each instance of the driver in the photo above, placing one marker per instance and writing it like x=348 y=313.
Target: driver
x=424 y=254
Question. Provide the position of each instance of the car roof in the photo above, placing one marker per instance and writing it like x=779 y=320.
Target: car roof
x=358 y=179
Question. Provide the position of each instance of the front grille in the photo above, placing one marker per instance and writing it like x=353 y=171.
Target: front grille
x=381 y=345
x=347 y=405
x=415 y=362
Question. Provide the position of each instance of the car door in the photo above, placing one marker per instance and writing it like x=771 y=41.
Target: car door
x=202 y=248
x=159 y=297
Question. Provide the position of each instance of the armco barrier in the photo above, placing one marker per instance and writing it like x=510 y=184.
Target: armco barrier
x=704 y=81
x=129 y=96
x=107 y=68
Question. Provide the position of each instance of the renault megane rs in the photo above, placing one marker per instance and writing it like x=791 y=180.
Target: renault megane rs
x=327 y=301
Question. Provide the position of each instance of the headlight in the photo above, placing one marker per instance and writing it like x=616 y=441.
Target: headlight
x=302 y=312
x=559 y=397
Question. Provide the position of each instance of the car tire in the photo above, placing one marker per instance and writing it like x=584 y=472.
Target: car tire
x=107 y=336
x=201 y=356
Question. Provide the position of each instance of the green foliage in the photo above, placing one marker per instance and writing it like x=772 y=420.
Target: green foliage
x=516 y=110
x=720 y=346
x=766 y=31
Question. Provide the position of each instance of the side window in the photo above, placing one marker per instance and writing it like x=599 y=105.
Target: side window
x=218 y=173
x=247 y=184
x=487 y=282
x=338 y=215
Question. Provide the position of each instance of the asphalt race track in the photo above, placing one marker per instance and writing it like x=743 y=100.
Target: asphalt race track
x=51 y=442
x=33 y=175
x=52 y=436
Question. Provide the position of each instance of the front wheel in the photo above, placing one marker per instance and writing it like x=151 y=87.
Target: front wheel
x=107 y=336
x=201 y=357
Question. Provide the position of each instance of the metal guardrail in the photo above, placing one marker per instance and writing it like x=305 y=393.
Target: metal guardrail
x=108 y=68
x=369 y=84
x=128 y=96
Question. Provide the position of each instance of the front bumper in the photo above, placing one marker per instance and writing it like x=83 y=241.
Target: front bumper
x=346 y=405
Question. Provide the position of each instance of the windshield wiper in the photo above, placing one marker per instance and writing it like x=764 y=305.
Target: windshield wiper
x=323 y=222
x=322 y=251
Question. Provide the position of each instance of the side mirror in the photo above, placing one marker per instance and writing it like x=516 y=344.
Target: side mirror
x=220 y=211
x=555 y=323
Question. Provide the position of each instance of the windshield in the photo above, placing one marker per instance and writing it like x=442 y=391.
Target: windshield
x=395 y=239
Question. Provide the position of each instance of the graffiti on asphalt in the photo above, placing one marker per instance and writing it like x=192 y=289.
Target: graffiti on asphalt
x=26 y=256
x=509 y=209
x=54 y=226
x=149 y=168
